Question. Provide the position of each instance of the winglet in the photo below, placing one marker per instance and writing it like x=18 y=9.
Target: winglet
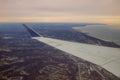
x=32 y=32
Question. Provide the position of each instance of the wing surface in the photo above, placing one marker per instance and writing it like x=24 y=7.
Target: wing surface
x=106 y=57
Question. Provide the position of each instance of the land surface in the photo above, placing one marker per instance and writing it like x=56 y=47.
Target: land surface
x=22 y=58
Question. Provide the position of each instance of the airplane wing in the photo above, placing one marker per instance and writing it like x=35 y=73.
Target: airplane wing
x=106 y=57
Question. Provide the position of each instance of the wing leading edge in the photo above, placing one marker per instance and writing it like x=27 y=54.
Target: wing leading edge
x=106 y=57
x=32 y=32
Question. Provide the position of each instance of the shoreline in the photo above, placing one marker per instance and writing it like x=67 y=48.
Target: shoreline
x=107 y=41
x=103 y=38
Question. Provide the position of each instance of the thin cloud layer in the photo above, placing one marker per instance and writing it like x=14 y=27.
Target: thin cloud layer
x=100 y=11
x=36 y=8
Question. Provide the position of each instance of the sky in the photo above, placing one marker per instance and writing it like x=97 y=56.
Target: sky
x=100 y=11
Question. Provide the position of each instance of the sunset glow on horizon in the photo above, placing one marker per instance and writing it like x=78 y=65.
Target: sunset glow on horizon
x=77 y=19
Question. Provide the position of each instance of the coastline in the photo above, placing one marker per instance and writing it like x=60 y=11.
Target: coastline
x=99 y=34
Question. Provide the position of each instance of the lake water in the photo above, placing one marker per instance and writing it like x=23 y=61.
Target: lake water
x=105 y=32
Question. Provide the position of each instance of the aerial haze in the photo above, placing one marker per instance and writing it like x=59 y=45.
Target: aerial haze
x=59 y=40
